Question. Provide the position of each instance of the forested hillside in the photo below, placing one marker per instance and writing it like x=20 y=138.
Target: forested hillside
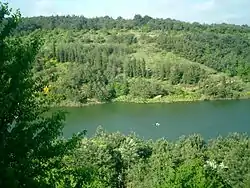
x=142 y=60
x=77 y=65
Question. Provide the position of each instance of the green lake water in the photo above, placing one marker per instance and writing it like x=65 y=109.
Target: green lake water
x=209 y=118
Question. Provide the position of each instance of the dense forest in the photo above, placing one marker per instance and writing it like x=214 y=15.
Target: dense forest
x=105 y=64
x=116 y=160
x=86 y=60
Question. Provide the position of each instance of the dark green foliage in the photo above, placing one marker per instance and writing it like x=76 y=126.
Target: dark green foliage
x=83 y=72
x=30 y=142
x=83 y=59
x=116 y=160
x=123 y=38
x=221 y=88
x=121 y=86
x=138 y=22
x=75 y=68
x=145 y=88
x=227 y=53
x=235 y=153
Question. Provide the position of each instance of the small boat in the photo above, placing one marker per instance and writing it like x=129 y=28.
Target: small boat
x=157 y=124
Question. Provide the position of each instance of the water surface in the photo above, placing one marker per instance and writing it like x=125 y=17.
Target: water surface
x=210 y=119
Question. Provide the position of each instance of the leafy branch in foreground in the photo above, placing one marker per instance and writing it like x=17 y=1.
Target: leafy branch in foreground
x=30 y=141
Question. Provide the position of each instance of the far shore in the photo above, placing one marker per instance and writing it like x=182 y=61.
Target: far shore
x=130 y=99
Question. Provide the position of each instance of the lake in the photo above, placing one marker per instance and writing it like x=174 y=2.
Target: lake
x=209 y=118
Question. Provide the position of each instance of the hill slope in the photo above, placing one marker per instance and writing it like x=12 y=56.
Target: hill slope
x=134 y=60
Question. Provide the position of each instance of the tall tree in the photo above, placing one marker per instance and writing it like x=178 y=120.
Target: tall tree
x=29 y=141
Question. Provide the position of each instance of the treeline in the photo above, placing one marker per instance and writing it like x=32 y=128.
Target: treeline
x=104 y=59
x=34 y=153
x=78 y=72
x=146 y=23
x=116 y=160
x=224 y=53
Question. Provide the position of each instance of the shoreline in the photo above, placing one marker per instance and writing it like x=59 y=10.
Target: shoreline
x=129 y=99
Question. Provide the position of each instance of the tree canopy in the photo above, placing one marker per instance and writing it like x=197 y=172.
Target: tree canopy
x=30 y=142
x=72 y=59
